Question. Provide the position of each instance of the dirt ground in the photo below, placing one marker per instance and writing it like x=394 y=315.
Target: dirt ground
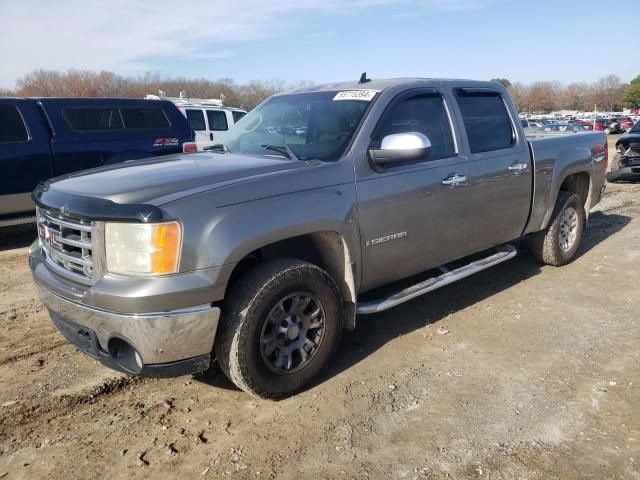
x=521 y=372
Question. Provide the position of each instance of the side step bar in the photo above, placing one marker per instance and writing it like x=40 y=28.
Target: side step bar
x=505 y=253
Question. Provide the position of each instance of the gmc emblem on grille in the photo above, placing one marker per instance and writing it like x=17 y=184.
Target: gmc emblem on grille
x=51 y=237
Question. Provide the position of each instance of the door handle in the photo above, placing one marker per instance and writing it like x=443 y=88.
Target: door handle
x=211 y=136
x=518 y=166
x=454 y=180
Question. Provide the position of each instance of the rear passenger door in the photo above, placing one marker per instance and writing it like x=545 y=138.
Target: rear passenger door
x=499 y=180
x=25 y=158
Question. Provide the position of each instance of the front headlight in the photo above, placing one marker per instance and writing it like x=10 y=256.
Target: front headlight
x=143 y=248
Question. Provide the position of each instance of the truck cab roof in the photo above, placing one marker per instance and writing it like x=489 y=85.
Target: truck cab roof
x=386 y=83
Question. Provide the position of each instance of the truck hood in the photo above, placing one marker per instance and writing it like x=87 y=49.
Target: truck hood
x=157 y=181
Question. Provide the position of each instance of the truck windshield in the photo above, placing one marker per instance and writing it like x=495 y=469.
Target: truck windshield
x=316 y=125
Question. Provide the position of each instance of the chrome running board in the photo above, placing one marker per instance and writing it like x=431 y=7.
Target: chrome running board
x=504 y=253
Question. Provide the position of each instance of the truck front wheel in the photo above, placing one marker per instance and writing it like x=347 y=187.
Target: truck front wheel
x=559 y=242
x=281 y=323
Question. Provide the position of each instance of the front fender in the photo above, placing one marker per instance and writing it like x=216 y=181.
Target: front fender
x=224 y=235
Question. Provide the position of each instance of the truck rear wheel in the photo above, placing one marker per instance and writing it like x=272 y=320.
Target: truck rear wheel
x=281 y=323
x=559 y=242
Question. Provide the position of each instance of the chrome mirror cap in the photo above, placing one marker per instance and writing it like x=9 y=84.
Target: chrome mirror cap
x=405 y=141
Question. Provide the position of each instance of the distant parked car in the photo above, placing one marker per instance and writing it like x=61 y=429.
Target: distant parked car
x=524 y=122
x=626 y=123
x=607 y=125
x=47 y=137
x=587 y=124
x=626 y=162
x=562 y=127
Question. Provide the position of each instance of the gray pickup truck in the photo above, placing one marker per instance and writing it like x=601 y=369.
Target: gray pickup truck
x=319 y=205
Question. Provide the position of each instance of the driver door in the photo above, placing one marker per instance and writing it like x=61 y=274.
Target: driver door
x=412 y=217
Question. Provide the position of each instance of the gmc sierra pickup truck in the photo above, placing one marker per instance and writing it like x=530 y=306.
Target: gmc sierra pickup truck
x=319 y=205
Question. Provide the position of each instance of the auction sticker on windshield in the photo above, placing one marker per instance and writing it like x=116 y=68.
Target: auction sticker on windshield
x=365 y=95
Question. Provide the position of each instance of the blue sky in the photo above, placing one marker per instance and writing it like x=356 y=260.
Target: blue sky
x=322 y=40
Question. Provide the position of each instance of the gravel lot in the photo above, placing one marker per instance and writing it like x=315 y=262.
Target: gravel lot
x=522 y=372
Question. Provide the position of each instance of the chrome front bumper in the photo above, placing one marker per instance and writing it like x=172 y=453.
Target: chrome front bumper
x=168 y=342
x=161 y=337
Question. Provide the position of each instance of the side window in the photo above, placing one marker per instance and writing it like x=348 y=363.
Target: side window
x=136 y=118
x=424 y=114
x=12 y=127
x=196 y=119
x=217 y=120
x=93 y=119
x=237 y=116
x=486 y=121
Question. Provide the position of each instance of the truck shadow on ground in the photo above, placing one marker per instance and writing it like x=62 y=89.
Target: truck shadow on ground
x=374 y=331
x=18 y=236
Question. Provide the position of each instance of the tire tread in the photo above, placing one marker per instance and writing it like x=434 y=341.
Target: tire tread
x=252 y=288
x=544 y=244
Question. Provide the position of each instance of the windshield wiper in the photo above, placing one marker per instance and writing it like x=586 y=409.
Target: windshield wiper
x=218 y=148
x=282 y=149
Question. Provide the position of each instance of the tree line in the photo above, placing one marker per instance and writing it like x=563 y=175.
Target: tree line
x=610 y=93
x=86 y=83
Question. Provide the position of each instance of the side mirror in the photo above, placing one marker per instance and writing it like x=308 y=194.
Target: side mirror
x=401 y=148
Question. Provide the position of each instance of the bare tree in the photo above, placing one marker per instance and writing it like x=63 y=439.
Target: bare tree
x=541 y=97
x=518 y=93
x=84 y=83
x=575 y=97
x=607 y=92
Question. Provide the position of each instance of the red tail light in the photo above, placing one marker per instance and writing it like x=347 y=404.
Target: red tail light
x=189 y=147
x=606 y=155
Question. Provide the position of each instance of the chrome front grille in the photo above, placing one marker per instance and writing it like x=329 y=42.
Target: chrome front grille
x=66 y=242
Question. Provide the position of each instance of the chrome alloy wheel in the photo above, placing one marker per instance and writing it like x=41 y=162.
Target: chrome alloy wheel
x=568 y=229
x=292 y=333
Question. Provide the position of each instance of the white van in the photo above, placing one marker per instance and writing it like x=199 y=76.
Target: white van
x=210 y=122
x=208 y=118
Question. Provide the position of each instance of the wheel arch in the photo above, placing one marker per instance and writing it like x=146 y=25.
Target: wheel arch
x=326 y=248
x=578 y=182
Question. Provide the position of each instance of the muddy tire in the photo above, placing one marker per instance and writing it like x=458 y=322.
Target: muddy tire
x=558 y=243
x=281 y=323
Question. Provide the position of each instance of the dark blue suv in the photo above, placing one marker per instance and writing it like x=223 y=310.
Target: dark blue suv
x=42 y=138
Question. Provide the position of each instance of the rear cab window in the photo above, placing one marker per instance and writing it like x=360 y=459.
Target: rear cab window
x=144 y=118
x=12 y=126
x=105 y=119
x=93 y=119
x=486 y=121
x=423 y=113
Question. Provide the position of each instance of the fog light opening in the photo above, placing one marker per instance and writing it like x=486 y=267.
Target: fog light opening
x=125 y=355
